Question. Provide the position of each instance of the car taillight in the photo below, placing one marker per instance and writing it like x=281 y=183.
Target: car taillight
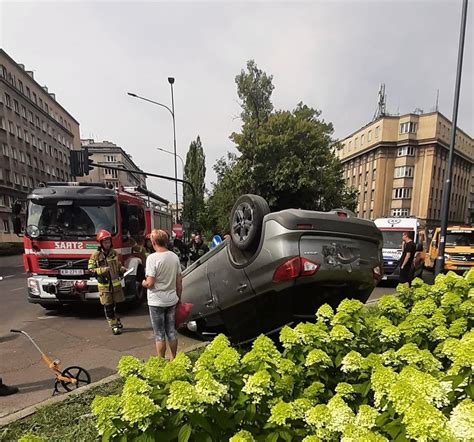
x=293 y=268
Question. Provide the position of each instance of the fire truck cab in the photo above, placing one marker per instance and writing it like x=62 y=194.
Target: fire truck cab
x=61 y=224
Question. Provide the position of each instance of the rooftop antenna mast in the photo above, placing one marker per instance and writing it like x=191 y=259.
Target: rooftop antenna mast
x=437 y=101
x=382 y=103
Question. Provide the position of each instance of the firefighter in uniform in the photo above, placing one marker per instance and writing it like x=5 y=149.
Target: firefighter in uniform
x=105 y=264
x=138 y=248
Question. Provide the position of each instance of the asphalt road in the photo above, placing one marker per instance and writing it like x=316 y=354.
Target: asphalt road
x=76 y=336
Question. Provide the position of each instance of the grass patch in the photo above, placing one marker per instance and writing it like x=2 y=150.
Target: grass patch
x=70 y=420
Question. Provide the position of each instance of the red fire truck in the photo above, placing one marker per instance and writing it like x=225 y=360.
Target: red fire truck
x=61 y=223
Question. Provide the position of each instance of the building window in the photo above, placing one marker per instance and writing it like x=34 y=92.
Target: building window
x=3 y=124
x=404 y=172
x=20 y=86
x=35 y=162
x=22 y=157
x=28 y=92
x=27 y=137
x=408 y=127
x=5 y=149
x=28 y=159
x=374 y=174
x=402 y=193
x=8 y=100
x=43 y=126
x=112 y=172
x=400 y=212
x=3 y=71
x=356 y=143
x=32 y=183
x=110 y=158
x=406 y=151
x=16 y=106
x=11 y=127
x=30 y=116
x=23 y=111
x=19 y=132
x=369 y=136
x=6 y=226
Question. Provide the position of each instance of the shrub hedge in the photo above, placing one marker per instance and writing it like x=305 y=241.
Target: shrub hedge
x=399 y=371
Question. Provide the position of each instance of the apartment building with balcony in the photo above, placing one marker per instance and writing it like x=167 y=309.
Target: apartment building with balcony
x=399 y=164
x=36 y=135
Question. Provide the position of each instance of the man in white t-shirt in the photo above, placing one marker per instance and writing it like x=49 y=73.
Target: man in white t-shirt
x=164 y=284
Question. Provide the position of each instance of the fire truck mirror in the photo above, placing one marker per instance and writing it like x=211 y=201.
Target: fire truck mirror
x=17 y=225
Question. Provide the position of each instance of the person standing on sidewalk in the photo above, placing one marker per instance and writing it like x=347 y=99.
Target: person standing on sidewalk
x=164 y=284
x=406 y=261
x=105 y=264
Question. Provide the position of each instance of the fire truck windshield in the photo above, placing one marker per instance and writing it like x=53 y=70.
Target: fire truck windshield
x=70 y=218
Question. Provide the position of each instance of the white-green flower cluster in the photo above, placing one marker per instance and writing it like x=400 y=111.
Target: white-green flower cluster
x=401 y=370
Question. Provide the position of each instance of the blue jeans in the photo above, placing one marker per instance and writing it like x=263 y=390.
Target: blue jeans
x=163 y=322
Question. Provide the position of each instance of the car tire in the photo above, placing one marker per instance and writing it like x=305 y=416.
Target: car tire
x=246 y=220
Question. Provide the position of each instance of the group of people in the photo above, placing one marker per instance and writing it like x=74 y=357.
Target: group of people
x=162 y=280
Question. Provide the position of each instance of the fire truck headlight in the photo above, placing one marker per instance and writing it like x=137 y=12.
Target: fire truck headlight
x=33 y=287
x=33 y=231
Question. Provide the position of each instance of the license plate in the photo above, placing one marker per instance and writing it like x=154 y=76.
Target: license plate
x=384 y=278
x=75 y=272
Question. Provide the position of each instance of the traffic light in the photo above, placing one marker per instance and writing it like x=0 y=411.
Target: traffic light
x=88 y=165
x=80 y=162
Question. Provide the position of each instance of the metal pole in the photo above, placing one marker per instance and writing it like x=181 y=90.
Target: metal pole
x=439 y=265
x=171 y=81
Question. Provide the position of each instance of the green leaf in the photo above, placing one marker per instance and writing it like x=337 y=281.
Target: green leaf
x=184 y=433
x=286 y=435
x=339 y=359
x=200 y=421
x=272 y=437
x=239 y=416
x=148 y=436
x=251 y=411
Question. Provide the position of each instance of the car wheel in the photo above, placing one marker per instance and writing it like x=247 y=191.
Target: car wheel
x=246 y=220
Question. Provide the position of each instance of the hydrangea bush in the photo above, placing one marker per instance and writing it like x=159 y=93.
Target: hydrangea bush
x=399 y=371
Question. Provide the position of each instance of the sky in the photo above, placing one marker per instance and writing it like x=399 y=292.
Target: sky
x=332 y=55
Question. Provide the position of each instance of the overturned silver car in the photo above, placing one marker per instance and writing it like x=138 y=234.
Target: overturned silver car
x=280 y=267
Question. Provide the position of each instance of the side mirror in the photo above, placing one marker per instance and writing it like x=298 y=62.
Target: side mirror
x=16 y=208
x=17 y=225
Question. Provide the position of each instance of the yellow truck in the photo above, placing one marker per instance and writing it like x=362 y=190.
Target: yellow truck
x=459 y=249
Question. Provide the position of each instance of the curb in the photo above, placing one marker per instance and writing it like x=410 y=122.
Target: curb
x=28 y=411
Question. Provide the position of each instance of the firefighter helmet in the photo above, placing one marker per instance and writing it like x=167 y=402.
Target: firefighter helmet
x=103 y=234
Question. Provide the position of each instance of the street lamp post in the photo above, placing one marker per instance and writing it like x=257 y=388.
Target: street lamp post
x=171 y=111
x=171 y=153
x=439 y=264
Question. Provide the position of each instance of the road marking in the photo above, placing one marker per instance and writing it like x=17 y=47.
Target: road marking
x=8 y=276
x=19 y=288
x=48 y=317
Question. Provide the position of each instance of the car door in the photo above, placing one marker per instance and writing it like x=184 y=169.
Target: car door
x=233 y=295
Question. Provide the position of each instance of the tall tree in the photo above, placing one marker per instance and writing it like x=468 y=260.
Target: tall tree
x=194 y=172
x=254 y=88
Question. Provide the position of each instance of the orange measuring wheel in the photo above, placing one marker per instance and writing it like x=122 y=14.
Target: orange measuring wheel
x=70 y=378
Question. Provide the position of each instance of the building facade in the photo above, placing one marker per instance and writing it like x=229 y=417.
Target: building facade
x=398 y=164
x=107 y=153
x=36 y=135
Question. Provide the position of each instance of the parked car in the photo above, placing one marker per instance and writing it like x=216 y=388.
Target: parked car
x=280 y=267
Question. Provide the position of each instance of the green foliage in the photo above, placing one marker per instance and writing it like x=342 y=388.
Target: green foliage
x=195 y=173
x=334 y=379
x=287 y=157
